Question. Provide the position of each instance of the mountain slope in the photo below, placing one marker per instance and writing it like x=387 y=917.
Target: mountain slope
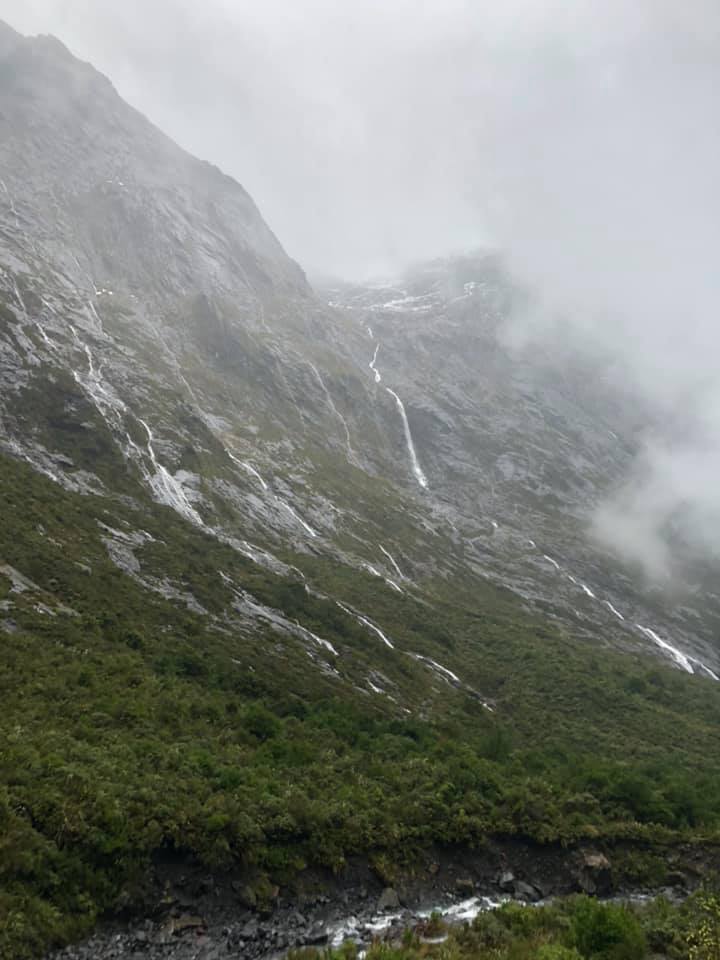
x=272 y=579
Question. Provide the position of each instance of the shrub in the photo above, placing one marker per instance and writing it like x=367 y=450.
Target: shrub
x=609 y=931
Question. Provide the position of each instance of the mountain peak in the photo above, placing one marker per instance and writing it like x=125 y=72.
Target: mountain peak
x=9 y=38
x=100 y=180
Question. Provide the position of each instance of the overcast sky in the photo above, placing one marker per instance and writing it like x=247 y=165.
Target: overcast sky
x=371 y=132
x=580 y=136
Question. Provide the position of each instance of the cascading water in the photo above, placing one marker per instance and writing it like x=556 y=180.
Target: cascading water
x=416 y=468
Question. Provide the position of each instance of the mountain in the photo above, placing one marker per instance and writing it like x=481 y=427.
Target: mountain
x=293 y=575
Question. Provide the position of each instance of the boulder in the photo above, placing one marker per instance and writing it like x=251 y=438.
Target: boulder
x=594 y=874
x=250 y=930
x=316 y=935
x=506 y=881
x=526 y=891
x=465 y=886
x=187 y=921
x=389 y=900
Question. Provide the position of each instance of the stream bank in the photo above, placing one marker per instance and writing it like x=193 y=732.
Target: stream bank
x=188 y=914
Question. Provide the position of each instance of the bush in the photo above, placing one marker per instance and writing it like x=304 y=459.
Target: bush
x=703 y=939
x=554 y=951
x=609 y=931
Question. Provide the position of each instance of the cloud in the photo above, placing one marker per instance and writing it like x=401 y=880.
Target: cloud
x=604 y=150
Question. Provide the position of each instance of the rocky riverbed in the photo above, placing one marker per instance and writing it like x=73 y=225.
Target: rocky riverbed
x=197 y=917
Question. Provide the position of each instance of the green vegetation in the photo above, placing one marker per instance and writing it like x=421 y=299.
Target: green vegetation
x=135 y=725
x=574 y=929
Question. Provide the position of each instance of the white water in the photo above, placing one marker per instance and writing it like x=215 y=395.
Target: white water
x=376 y=573
x=93 y=313
x=366 y=623
x=340 y=417
x=588 y=591
x=246 y=466
x=46 y=339
x=21 y=302
x=550 y=560
x=419 y=475
x=19 y=332
x=392 y=561
x=110 y=407
x=313 y=533
x=36 y=323
x=247 y=603
x=466 y=909
x=612 y=608
x=166 y=487
x=318 y=640
x=375 y=371
x=705 y=669
x=253 y=472
x=416 y=468
x=439 y=667
x=351 y=928
x=406 y=303
x=676 y=654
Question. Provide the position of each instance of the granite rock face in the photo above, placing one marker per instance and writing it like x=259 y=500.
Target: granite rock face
x=154 y=335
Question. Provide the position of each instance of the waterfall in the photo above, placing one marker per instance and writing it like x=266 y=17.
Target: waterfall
x=417 y=470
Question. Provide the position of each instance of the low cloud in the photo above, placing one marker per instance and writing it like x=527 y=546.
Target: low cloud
x=582 y=139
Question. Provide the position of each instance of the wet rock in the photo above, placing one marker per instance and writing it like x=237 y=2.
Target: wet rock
x=465 y=886
x=526 y=891
x=506 y=881
x=316 y=935
x=594 y=875
x=389 y=900
x=188 y=922
x=164 y=933
x=250 y=930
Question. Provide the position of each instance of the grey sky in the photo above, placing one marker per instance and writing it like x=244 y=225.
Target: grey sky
x=376 y=131
x=582 y=137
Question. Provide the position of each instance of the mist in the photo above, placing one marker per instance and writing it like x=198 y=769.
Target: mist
x=581 y=139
